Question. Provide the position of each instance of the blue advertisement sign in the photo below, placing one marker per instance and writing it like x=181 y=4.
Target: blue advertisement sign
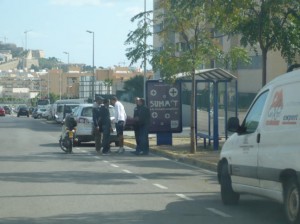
x=164 y=102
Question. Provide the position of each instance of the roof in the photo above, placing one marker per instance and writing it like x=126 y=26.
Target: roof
x=213 y=74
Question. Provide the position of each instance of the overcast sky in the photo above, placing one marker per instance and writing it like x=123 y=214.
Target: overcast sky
x=57 y=26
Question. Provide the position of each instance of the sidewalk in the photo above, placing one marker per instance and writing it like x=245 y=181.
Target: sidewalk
x=206 y=158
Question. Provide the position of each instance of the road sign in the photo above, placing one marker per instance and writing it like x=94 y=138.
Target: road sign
x=164 y=102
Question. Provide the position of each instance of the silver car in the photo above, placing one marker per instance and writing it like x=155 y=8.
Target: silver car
x=83 y=114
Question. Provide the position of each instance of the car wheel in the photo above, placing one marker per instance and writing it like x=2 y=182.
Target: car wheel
x=292 y=201
x=229 y=197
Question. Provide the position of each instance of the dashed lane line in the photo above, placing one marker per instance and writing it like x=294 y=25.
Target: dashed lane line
x=185 y=197
x=160 y=186
x=216 y=211
x=127 y=171
x=141 y=178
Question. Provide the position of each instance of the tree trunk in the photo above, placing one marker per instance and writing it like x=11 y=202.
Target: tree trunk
x=264 y=66
x=193 y=116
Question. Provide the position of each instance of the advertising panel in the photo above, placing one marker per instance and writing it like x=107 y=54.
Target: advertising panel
x=164 y=102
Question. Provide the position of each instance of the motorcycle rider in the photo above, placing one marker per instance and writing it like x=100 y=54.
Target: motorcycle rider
x=69 y=122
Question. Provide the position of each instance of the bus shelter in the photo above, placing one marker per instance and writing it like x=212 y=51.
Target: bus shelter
x=216 y=100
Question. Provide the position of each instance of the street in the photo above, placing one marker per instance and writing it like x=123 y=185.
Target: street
x=39 y=183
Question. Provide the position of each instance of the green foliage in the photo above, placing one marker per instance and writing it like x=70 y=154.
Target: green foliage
x=53 y=97
x=267 y=24
x=138 y=49
x=135 y=86
x=49 y=63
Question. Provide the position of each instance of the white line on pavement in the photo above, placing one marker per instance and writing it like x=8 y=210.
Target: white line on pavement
x=160 y=186
x=184 y=197
x=213 y=210
x=141 y=178
x=114 y=165
x=127 y=171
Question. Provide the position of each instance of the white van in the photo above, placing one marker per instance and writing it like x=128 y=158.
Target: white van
x=262 y=157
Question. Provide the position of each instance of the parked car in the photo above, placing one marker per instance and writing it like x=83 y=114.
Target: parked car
x=7 y=110
x=60 y=113
x=84 y=117
x=2 y=111
x=37 y=113
x=262 y=156
x=22 y=111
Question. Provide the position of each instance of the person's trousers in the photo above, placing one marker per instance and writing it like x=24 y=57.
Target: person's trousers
x=144 y=139
x=105 y=138
x=98 y=138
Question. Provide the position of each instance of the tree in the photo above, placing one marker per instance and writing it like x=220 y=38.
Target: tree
x=108 y=83
x=187 y=22
x=270 y=24
x=49 y=63
x=134 y=85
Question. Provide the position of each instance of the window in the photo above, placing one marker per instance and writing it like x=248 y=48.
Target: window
x=87 y=112
x=256 y=63
x=253 y=117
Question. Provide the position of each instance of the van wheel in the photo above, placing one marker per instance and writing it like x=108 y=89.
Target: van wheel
x=292 y=201
x=229 y=197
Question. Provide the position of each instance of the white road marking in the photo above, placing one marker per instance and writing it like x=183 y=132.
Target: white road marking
x=160 y=186
x=97 y=157
x=127 y=171
x=213 y=210
x=114 y=165
x=105 y=161
x=141 y=178
x=184 y=197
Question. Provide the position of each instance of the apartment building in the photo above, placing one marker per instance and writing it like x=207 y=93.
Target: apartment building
x=249 y=77
x=71 y=84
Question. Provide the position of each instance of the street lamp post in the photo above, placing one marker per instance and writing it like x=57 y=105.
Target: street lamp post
x=93 y=78
x=145 y=47
x=26 y=31
x=68 y=56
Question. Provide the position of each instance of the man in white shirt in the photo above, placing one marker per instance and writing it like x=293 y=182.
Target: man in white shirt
x=120 y=119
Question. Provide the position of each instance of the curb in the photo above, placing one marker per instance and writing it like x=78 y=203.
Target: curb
x=211 y=166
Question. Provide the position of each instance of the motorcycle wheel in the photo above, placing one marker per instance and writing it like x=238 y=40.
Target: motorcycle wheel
x=69 y=145
x=63 y=144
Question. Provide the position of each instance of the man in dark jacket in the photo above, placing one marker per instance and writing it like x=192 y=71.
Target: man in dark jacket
x=106 y=126
x=143 y=122
x=97 y=127
x=136 y=127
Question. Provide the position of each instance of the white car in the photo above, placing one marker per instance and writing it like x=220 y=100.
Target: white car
x=84 y=117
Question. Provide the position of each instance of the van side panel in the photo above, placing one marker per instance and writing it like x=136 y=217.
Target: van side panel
x=279 y=147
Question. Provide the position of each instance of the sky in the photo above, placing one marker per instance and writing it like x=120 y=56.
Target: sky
x=58 y=26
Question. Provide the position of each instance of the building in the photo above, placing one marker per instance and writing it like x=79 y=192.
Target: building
x=249 y=76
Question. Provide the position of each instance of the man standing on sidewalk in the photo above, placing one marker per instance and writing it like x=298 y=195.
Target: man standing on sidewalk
x=106 y=126
x=136 y=127
x=97 y=127
x=120 y=119
x=143 y=122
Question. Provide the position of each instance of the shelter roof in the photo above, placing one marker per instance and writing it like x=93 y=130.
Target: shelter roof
x=212 y=74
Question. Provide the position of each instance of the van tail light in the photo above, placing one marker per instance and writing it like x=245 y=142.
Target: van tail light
x=83 y=120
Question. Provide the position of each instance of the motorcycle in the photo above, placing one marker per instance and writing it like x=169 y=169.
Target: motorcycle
x=67 y=140
x=67 y=137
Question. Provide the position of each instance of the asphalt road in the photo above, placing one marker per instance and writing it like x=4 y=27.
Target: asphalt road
x=39 y=183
